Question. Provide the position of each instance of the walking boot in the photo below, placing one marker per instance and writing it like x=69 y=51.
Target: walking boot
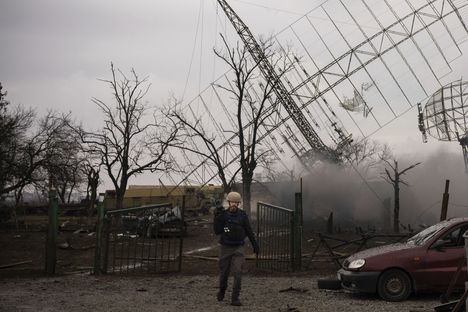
x=235 y=301
x=220 y=295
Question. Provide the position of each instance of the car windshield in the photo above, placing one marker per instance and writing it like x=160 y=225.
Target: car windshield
x=426 y=234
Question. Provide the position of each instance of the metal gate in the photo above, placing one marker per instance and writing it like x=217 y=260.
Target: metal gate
x=276 y=237
x=140 y=240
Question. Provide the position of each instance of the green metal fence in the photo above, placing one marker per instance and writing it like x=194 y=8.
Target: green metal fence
x=140 y=240
x=278 y=238
x=52 y=232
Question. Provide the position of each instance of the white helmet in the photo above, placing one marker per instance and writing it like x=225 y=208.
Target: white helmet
x=233 y=197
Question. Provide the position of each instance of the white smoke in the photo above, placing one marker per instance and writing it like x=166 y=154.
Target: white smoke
x=357 y=201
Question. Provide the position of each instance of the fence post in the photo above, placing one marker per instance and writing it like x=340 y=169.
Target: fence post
x=99 y=227
x=445 y=201
x=330 y=223
x=293 y=240
x=182 y=233
x=107 y=228
x=297 y=230
x=51 y=243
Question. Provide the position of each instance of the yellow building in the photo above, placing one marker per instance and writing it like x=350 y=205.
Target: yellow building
x=196 y=197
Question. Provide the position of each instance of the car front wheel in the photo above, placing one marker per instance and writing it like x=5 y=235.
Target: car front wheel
x=394 y=285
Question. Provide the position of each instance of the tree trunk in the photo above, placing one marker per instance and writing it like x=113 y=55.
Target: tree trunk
x=227 y=188
x=246 y=196
x=91 y=191
x=387 y=215
x=61 y=193
x=119 y=196
x=18 y=196
x=92 y=201
x=396 y=211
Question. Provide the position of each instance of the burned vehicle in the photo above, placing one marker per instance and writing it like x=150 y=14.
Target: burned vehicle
x=159 y=222
x=425 y=262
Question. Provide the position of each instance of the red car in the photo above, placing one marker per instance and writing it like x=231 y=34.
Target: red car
x=426 y=261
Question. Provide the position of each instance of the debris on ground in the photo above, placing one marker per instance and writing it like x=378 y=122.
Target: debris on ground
x=299 y=290
x=80 y=230
x=65 y=245
x=15 y=264
x=202 y=257
x=201 y=249
x=329 y=283
x=290 y=309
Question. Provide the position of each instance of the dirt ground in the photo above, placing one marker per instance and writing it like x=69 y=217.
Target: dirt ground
x=24 y=287
x=83 y=292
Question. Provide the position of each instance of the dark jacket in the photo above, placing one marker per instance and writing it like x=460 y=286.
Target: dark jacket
x=233 y=227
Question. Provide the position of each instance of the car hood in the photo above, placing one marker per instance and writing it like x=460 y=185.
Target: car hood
x=379 y=251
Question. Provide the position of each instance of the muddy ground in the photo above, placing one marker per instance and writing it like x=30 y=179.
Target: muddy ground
x=24 y=287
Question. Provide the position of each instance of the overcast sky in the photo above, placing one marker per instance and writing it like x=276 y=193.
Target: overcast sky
x=52 y=51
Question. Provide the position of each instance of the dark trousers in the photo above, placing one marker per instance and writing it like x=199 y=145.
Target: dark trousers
x=231 y=259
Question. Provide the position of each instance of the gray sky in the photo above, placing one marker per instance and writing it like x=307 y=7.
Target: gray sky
x=53 y=51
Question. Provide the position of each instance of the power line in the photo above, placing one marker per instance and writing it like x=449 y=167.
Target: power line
x=270 y=8
x=202 y=5
x=458 y=205
x=193 y=49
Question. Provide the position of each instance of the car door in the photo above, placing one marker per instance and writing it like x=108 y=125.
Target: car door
x=442 y=259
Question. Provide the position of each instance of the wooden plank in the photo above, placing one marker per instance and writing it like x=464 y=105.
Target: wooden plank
x=14 y=264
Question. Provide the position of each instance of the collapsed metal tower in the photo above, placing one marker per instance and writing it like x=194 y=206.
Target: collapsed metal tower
x=282 y=93
x=388 y=56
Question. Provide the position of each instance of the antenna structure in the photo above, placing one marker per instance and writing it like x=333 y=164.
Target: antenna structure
x=386 y=56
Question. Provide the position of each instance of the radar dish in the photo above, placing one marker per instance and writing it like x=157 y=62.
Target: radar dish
x=446 y=112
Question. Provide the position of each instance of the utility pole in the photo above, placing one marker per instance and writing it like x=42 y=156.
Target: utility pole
x=445 y=201
x=280 y=90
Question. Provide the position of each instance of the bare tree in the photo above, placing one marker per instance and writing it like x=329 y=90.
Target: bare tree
x=91 y=170
x=251 y=108
x=67 y=177
x=129 y=143
x=272 y=175
x=366 y=154
x=3 y=104
x=272 y=172
x=33 y=152
x=395 y=178
x=17 y=153
x=89 y=167
x=63 y=157
x=195 y=132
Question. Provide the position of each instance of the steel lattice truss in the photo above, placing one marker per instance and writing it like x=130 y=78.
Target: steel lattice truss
x=362 y=64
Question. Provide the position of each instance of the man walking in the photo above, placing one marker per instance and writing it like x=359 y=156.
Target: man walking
x=233 y=226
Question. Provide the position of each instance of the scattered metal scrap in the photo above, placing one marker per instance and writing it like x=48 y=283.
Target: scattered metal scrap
x=342 y=248
x=454 y=306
